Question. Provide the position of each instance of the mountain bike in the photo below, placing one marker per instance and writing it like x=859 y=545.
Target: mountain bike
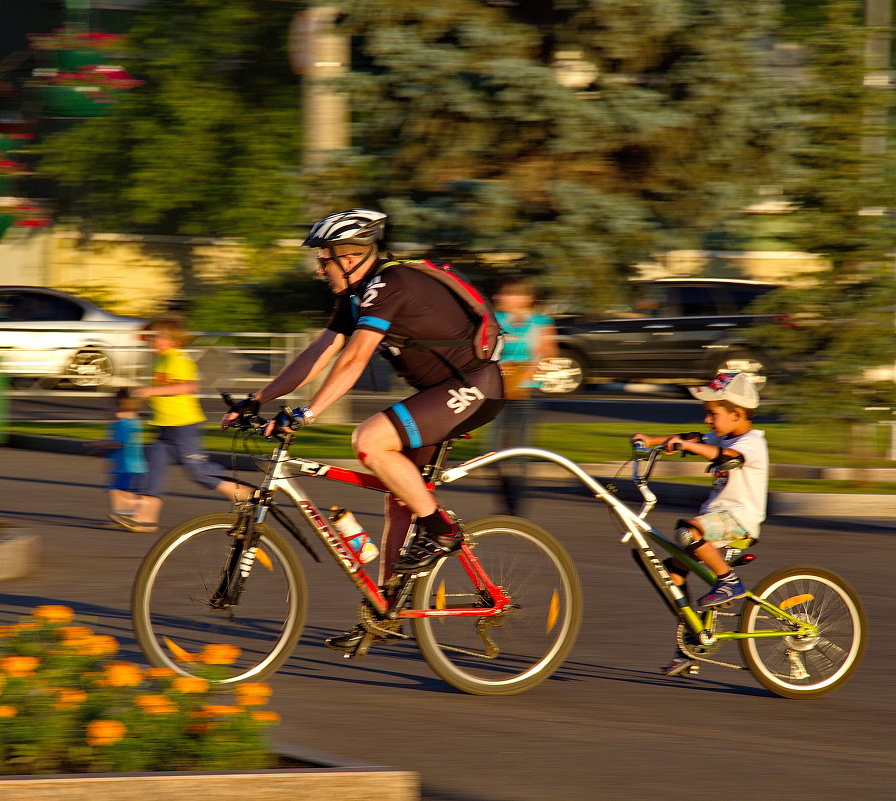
x=801 y=630
x=497 y=618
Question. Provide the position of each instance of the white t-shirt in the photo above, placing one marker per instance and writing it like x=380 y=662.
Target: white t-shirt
x=742 y=491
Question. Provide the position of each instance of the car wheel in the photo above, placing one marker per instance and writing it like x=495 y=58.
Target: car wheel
x=89 y=368
x=742 y=361
x=560 y=375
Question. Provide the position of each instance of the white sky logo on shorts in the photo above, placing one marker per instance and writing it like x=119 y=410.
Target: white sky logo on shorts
x=463 y=398
x=371 y=292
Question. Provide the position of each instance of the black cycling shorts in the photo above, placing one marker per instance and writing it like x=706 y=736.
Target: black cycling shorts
x=449 y=408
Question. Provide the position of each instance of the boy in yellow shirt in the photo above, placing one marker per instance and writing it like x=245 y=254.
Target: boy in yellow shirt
x=178 y=418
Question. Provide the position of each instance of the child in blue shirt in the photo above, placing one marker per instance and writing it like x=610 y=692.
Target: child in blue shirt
x=124 y=452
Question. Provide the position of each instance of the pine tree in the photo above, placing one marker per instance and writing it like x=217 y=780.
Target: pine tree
x=465 y=133
x=843 y=197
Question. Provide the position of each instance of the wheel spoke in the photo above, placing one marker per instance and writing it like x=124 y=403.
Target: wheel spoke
x=526 y=642
x=805 y=666
x=176 y=618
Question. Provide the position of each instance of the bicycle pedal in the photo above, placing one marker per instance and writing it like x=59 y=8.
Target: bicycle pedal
x=361 y=649
x=693 y=670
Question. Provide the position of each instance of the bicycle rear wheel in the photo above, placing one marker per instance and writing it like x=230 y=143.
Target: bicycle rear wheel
x=176 y=617
x=804 y=667
x=535 y=633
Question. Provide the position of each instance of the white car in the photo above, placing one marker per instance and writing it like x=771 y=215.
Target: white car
x=59 y=337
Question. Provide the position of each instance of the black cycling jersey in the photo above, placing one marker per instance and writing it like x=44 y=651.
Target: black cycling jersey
x=404 y=302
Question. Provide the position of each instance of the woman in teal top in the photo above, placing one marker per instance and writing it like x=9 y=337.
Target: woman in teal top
x=529 y=339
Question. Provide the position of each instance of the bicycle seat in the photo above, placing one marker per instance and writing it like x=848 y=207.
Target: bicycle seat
x=741 y=545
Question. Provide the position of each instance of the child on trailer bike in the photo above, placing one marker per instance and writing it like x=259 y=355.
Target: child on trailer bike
x=386 y=306
x=735 y=508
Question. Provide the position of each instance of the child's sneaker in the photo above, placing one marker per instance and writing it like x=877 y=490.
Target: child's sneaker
x=680 y=664
x=723 y=592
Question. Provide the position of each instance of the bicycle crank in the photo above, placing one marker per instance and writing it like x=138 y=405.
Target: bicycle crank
x=376 y=629
x=692 y=647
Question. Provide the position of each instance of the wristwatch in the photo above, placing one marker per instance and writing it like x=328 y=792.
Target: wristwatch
x=309 y=416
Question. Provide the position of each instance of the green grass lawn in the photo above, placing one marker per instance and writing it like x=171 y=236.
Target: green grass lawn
x=581 y=442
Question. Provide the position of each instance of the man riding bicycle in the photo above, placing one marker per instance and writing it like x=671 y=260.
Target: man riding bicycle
x=381 y=304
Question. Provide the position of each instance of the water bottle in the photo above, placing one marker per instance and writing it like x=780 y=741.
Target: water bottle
x=353 y=534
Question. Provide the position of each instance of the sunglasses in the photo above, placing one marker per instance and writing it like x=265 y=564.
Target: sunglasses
x=323 y=261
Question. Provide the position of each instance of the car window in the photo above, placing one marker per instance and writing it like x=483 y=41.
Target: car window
x=744 y=296
x=693 y=301
x=37 y=307
x=10 y=307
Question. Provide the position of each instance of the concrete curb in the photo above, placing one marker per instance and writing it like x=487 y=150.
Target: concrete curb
x=19 y=552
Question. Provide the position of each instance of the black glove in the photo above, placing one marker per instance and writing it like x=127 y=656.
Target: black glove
x=248 y=407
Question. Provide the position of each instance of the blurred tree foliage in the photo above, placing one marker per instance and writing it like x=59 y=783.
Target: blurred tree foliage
x=582 y=135
x=209 y=144
x=843 y=197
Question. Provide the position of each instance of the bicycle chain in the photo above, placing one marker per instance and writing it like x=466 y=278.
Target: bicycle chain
x=379 y=627
x=680 y=633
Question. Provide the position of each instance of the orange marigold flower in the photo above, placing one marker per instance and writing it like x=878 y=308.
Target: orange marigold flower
x=8 y=711
x=54 y=613
x=190 y=684
x=252 y=700
x=69 y=698
x=7 y=631
x=155 y=704
x=123 y=674
x=220 y=654
x=105 y=732
x=218 y=711
x=74 y=632
x=253 y=688
x=265 y=716
x=159 y=673
x=100 y=645
x=19 y=666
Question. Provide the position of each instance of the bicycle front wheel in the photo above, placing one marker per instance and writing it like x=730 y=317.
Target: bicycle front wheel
x=520 y=648
x=179 y=615
x=804 y=667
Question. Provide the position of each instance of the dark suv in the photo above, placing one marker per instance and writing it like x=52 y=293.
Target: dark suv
x=679 y=330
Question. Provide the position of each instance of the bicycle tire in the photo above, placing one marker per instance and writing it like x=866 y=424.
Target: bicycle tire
x=537 y=631
x=817 y=596
x=174 y=620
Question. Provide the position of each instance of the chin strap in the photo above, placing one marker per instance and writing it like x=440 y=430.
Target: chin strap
x=346 y=273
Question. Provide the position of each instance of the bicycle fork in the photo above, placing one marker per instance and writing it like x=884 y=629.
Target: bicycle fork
x=240 y=559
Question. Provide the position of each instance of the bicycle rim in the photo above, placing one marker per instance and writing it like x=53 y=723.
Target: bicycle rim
x=176 y=624
x=532 y=637
x=810 y=666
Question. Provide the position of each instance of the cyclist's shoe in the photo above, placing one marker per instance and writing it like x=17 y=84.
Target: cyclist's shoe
x=351 y=639
x=723 y=592
x=426 y=549
x=680 y=665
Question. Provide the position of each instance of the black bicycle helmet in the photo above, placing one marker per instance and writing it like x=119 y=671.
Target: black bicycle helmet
x=353 y=227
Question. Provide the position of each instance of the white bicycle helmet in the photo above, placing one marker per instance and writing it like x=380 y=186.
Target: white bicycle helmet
x=353 y=227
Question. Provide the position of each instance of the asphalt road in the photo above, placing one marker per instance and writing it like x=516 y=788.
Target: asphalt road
x=606 y=727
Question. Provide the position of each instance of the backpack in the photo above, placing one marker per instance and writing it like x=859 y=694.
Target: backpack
x=488 y=338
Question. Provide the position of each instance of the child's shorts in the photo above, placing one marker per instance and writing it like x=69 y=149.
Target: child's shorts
x=126 y=482
x=720 y=528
